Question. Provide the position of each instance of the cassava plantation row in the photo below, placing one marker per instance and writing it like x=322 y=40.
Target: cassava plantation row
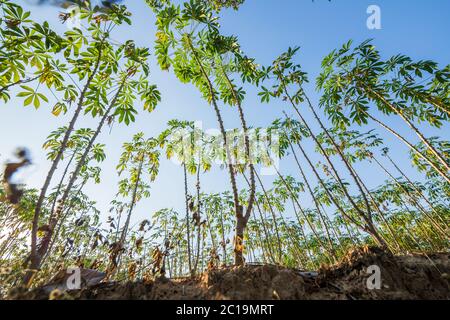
x=93 y=81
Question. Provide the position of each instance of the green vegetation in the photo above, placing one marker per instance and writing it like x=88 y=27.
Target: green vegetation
x=303 y=220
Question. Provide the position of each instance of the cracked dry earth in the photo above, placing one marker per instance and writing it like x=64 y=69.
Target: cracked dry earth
x=402 y=277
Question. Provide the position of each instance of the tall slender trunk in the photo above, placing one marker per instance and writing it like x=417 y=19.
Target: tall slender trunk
x=412 y=126
x=188 y=219
x=88 y=148
x=66 y=170
x=259 y=241
x=343 y=158
x=355 y=238
x=367 y=217
x=241 y=219
x=380 y=213
x=266 y=233
x=247 y=146
x=297 y=251
x=405 y=225
x=34 y=259
x=60 y=224
x=406 y=142
x=367 y=227
x=313 y=136
x=224 y=243
x=419 y=192
x=413 y=200
x=310 y=224
x=322 y=183
x=302 y=232
x=199 y=226
x=56 y=214
x=211 y=233
x=123 y=236
x=280 y=254
x=311 y=193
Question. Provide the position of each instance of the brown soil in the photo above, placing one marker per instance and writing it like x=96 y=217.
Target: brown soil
x=402 y=277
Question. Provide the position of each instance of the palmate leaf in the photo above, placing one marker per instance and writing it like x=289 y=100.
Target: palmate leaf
x=74 y=41
x=126 y=114
x=265 y=94
x=32 y=96
x=151 y=96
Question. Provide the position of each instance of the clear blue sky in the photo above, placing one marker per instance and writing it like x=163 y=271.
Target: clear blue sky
x=265 y=28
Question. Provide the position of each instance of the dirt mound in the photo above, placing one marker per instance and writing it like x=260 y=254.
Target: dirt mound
x=402 y=277
x=254 y=283
x=416 y=276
